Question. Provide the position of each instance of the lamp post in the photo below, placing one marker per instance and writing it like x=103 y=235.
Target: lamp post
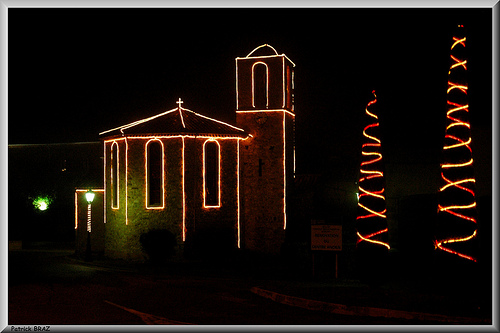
x=89 y=195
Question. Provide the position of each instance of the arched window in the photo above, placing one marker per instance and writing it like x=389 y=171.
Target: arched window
x=211 y=174
x=260 y=83
x=154 y=174
x=114 y=175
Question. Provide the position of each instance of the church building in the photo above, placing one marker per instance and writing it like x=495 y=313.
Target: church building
x=196 y=176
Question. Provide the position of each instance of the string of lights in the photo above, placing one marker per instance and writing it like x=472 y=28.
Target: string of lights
x=371 y=221
x=457 y=225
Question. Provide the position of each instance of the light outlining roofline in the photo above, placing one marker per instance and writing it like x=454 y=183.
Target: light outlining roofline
x=261 y=46
x=124 y=127
x=218 y=175
x=146 y=168
x=137 y=122
x=76 y=202
x=142 y=137
x=218 y=121
x=112 y=140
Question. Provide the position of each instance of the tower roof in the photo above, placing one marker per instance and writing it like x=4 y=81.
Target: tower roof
x=265 y=51
x=178 y=121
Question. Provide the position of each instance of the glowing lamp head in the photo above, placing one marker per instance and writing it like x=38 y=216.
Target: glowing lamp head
x=89 y=195
x=41 y=203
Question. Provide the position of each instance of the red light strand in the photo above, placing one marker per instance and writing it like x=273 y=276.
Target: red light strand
x=371 y=193
x=457 y=40
x=457 y=187
x=451 y=86
x=458 y=62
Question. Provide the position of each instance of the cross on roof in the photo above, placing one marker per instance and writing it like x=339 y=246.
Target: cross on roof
x=179 y=102
x=180 y=112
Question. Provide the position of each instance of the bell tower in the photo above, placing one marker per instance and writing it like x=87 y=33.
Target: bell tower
x=265 y=109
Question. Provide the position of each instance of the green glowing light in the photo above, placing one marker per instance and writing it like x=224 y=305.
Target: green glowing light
x=89 y=196
x=41 y=203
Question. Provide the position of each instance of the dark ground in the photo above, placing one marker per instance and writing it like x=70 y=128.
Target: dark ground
x=48 y=286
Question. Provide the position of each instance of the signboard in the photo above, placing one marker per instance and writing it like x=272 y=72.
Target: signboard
x=326 y=237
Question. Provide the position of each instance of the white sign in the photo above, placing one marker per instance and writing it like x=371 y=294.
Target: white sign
x=326 y=237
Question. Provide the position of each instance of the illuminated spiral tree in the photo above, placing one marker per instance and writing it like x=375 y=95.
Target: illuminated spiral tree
x=457 y=226
x=371 y=224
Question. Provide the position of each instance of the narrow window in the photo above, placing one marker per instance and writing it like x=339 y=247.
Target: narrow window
x=114 y=175
x=260 y=85
x=154 y=174
x=211 y=174
x=261 y=164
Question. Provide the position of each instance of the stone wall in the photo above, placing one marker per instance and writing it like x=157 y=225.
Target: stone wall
x=263 y=162
x=218 y=224
x=125 y=225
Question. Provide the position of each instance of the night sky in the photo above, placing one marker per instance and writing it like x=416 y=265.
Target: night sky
x=76 y=72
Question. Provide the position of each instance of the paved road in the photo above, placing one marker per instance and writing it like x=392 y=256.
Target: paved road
x=49 y=288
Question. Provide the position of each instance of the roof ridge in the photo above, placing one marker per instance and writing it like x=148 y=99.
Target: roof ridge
x=261 y=46
x=212 y=119
x=188 y=125
x=137 y=122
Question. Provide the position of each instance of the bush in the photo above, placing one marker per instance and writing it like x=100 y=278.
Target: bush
x=159 y=244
